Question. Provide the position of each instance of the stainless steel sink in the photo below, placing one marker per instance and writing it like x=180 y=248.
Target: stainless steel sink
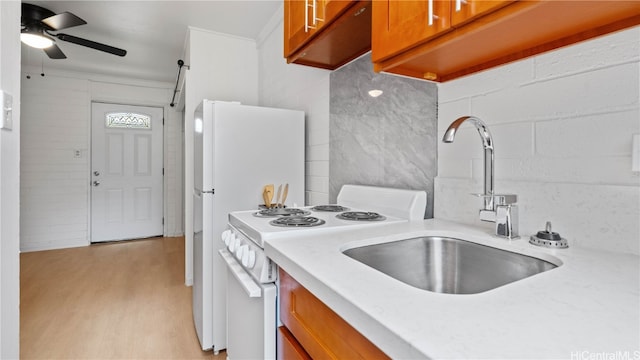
x=448 y=265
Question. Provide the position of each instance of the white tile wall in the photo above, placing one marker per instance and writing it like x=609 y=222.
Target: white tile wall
x=302 y=88
x=562 y=124
x=53 y=183
x=54 y=201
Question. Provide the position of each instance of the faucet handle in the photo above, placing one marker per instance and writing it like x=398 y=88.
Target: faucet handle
x=507 y=221
x=500 y=199
x=505 y=199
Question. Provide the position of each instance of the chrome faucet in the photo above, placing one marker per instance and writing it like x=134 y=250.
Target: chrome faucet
x=487 y=144
x=500 y=209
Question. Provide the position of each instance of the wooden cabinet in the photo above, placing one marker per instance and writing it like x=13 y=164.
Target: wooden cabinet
x=443 y=40
x=463 y=11
x=316 y=331
x=288 y=347
x=399 y=25
x=326 y=33
x=300 y=23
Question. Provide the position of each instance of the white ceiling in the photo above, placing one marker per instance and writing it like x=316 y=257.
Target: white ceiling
x=152 y=32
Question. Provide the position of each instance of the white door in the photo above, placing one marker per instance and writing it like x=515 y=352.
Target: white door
x=126 y=172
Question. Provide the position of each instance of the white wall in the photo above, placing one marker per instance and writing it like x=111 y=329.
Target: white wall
x=9 y=185
x=303 y=88
x=221 y=67
x=562 y=123
x=55 y=185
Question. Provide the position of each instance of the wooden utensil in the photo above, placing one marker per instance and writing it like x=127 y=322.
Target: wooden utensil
x=269 y=195
x=278 y=195
x=284 y=195
x=265 y=196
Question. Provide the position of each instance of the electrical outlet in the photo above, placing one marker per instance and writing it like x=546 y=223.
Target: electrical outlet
x=7 y=111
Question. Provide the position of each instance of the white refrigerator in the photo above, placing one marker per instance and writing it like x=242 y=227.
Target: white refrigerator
x=237 y=150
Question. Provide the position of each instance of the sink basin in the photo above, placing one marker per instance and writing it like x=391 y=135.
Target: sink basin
x=448 y=265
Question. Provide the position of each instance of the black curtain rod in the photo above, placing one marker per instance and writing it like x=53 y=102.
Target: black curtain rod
x=175 y=90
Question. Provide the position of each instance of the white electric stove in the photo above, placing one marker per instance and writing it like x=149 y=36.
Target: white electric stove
x=357 y=206
x=251 y=276
x=279 y=223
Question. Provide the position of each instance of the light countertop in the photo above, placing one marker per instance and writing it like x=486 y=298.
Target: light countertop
x=588 y=306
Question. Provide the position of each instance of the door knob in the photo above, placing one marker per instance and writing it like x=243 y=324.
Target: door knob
x=96 y=183
x=96 y=173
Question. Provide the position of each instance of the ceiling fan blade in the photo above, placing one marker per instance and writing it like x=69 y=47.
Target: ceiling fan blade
x=62 y=21
x=54 y=52
x=32 y=14
x=92 y=44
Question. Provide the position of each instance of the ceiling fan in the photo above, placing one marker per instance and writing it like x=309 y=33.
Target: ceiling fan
x=37 y=26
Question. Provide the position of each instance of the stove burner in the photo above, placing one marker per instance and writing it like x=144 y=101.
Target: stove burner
x=360 y=216
x=274 y=212
x=296 y=221
x=329 y=208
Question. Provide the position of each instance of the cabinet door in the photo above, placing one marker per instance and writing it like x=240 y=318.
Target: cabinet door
x=333 y=8
x=401 y=24
x=299 y=23
x=321 y=332
x=304 y=18
x=288 y=347
x=466 y=10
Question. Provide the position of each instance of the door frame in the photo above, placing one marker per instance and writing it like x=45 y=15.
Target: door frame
x=90 y=157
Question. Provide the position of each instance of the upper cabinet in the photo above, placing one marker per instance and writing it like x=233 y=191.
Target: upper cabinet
x=463 y=11
x=445 y=39
x=326 y=33
x=400 y=25
x=395 y=24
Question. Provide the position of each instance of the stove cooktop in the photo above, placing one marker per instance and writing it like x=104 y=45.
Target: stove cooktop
x=261 y=228
x=297 y=221
x=330 y=208
x=361 y=216
x=278 y=212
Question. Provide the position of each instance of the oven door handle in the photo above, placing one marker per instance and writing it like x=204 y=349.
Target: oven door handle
x=246 y=282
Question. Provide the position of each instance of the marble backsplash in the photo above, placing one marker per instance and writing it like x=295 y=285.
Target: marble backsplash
x=390 y=140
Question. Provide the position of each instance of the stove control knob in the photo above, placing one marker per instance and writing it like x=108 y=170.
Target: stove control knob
x=241 y=250
x=236 y=251
x=225 y=237
x=233 y=242
x=249 y=259
x=227 y=241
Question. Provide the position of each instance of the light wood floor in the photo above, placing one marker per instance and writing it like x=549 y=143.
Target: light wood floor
x=123 y=300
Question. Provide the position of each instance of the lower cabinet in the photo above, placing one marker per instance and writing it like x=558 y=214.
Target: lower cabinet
x=313 y=331
x=288 y=347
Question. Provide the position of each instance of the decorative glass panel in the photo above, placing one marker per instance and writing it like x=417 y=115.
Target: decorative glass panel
x=128 y=120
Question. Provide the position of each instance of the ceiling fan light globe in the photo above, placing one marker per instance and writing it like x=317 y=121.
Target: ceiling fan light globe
x=36 y=40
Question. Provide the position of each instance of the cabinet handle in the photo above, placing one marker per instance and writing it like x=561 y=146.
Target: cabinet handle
x=306 y=15
x=314 y=7
x=315 y=3
x=459 y=4
x=432 y=16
